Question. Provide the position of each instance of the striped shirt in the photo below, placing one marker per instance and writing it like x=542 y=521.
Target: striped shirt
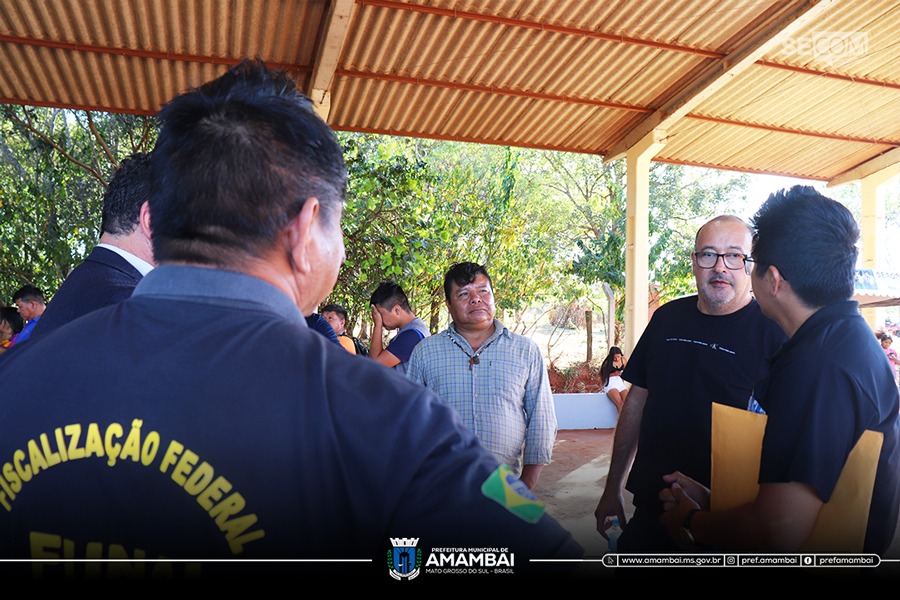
x=501 y=392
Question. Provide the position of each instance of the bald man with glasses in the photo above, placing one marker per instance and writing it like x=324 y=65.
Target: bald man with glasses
x=704 y=348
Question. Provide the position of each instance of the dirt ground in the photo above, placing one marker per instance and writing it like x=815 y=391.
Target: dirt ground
x=572 y=483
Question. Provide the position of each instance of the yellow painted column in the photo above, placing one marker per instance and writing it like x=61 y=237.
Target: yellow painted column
x=637 y=236
x=872 y=250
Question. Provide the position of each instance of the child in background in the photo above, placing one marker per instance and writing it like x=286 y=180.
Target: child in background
x=11 y=324
x=892 y=355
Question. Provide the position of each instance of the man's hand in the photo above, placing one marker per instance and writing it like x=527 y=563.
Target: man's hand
x=611 y=505
x=376 y=317
x=677 y=505
x=697 y=492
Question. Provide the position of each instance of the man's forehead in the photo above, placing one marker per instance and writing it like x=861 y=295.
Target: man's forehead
x=480 y=281
x=727 y=235
x=718 y=246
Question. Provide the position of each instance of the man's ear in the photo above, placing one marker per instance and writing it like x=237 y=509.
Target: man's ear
x=145 y=249
x=774 y=281
x=144 y=219
x=300 y=235
x=778 y=282
x=762 y=281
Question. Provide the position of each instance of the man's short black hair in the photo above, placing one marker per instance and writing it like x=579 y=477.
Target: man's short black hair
x=235 y=161
x=462 y=274
x=127 y=191
x=388 y=295
x=29 y=293
x=812 y=240
x=337 y=309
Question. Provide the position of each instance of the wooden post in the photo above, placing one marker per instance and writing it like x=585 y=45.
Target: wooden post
x=590 y=334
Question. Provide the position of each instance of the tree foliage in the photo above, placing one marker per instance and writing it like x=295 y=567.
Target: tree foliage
x=681 y=199
x=550 y=226
x=383 y=219
x=415 y=207
x=55 y=165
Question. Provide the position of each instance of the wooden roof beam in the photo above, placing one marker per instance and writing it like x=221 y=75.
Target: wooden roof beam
x=334 y=33
x=882 y=162
x=722 y=71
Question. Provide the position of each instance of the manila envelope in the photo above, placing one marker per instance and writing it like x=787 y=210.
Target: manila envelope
x=736 y=448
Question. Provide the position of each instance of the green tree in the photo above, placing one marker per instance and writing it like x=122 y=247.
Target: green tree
x=681 y=199
x=493 y=215
x=384 y=219
x=416 y=206
x=55 y=166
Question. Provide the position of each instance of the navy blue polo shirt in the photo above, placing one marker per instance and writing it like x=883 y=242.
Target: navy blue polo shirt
x=828 y=384
x=202 y=418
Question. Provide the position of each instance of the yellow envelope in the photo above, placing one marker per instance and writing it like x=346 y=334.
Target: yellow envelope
x=736 y=450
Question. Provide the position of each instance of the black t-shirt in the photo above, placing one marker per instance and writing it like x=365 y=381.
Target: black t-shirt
x=687 y=360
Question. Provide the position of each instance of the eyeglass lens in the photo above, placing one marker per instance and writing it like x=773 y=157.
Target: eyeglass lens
x=707 y=260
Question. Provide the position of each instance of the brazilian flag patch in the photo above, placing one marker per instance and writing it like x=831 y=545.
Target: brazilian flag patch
x=503 y=487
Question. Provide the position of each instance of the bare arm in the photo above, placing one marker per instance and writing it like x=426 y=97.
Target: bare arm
x=386 y=358
x=530 y=475
x=625 y=445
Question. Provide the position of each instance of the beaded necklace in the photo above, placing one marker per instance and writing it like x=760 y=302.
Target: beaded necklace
x=473 y=358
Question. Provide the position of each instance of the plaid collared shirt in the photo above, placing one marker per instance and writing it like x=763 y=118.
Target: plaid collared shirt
x=502 y=394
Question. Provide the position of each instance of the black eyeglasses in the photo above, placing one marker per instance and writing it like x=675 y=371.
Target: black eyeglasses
x=732 y=260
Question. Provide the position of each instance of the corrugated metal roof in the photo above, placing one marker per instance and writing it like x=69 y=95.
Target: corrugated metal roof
x=801 y=88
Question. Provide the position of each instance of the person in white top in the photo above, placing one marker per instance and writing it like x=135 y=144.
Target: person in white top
x=611 y=369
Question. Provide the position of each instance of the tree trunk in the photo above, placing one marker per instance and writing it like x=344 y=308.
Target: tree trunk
x=589 y=326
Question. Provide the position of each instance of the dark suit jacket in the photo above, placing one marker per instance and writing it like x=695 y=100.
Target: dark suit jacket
x=103 y=278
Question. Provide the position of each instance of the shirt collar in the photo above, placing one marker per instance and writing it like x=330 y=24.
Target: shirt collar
x=216 y=286
x=138 y=263
x=499 y=329
x=822 y=317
